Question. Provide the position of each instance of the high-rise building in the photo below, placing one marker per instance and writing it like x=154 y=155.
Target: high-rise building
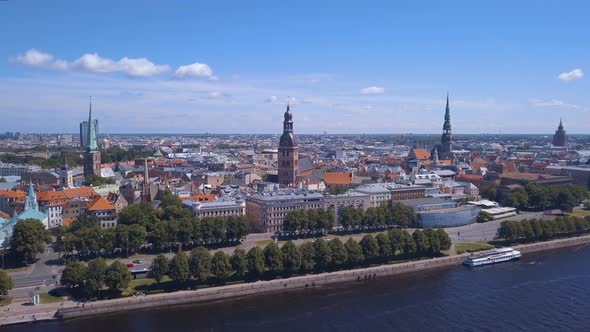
x=444 y=149
x=92 y=155
x=288 y=152
x=84 y=132
x=560 y=138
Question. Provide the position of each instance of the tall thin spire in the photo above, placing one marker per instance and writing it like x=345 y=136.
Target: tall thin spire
x=31 y=200
x=92 y=143
x=65 y=167
x=447 y=124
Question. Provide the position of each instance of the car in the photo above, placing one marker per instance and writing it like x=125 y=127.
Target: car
x=130 y=265
x=137 y=261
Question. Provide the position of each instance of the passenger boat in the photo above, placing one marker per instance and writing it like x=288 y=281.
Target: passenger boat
x=492 y=257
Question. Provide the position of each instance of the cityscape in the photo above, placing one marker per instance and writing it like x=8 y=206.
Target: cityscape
x=129 y=203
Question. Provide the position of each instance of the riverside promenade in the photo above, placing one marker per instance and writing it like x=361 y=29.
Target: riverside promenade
x=70 y=310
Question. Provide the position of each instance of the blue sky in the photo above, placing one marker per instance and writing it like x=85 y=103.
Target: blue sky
x=348 y=67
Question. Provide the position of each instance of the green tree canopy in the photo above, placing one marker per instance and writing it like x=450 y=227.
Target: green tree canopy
x=385 y=249
x=255 y=259
x=159 y=268
x=200 y=263
x=73 y=275
x=323 y=254
x=239 y=262
x=370 y=247
x=273 y=258
x=308 y=262
x=5 y=283
x=29 y=237
x=179 y=268
x=221 y=266
x=339 y=254
x=117 y=276
x=354 y=252
x=291 y=257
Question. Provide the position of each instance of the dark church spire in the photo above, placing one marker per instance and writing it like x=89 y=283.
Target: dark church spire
x=447 y=124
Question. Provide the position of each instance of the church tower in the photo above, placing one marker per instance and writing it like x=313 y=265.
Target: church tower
x=288 y=152
x=444 y=151
x=560 y=138
x=31 y=200
x=92 y=155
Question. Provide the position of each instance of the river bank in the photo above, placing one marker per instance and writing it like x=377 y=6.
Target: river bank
x=71 y=310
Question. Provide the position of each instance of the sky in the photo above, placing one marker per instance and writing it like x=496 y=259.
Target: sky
x=344 y=66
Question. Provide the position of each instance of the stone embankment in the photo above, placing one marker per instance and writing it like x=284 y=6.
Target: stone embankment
x=287 y=284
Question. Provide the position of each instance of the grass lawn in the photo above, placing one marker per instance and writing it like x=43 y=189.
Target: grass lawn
x=264 y=243
x=580 y=213
x=471 y=247
x=18 y=269
x=48 y=298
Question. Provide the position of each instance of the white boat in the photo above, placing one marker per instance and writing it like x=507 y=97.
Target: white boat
x=492 y=257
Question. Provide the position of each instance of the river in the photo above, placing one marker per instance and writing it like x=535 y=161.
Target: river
x=542 y=292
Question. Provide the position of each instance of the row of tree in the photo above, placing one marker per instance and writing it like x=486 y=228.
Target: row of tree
x=169 y=225
x=5 y=283
x=537 y=197
x=290 y=259
x=88 y=280
x=314 y=220
x=388 y=213
x=542 y=229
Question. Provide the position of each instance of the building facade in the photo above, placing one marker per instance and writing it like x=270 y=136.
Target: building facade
x=288 y=157
x=265 y=212
x=217 y=209
x=560 y=138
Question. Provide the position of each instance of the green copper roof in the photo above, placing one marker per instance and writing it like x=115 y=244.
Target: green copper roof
x=92 y=141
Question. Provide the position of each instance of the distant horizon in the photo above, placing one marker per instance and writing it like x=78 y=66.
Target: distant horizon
x=296 y=134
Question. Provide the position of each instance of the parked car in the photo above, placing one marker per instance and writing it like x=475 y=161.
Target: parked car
x=137 y=261
x=130 y=265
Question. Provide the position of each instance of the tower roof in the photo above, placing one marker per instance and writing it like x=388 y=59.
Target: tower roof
x=92 y=141
x=447 y=124
x=287 y=139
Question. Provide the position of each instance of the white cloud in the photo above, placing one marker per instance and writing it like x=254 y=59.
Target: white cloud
x=194 y=70
x=34 y=58
x=571 y=75
x=272 y=100
x=218 y=95
x=134 y=67
x=373 y=90
x=553 y=103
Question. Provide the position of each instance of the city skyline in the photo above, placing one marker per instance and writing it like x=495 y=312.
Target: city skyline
x=507 y=71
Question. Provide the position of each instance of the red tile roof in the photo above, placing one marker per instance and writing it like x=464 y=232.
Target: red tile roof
x=337 y=178
x=420 y=154
x=100 y=203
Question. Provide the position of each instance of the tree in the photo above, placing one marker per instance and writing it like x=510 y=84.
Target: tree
x=159 y=268
x=255 y=260
x=384 y=244
x=339 y=255
x=518 y=198
x=73 y=275
x=323 y=254
x=221 y=266
x=167 y=199
x=408 y=244
x=29 y=237
x=354 y=252
x=273 y=258
x=5 y=283
x=565 y=201
x=295 y=221
x=200 y=263
x=434 y=244
x=307 y=256
x=444 y=239
x=539 y=196
x=95 y=276
x=179 y=268
x=239 y=262
x=370 y=247
x=351 y=217
x=291 y=257
x=422 y=242
x=137 y=237
x=117 y=276
x=490 y=193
